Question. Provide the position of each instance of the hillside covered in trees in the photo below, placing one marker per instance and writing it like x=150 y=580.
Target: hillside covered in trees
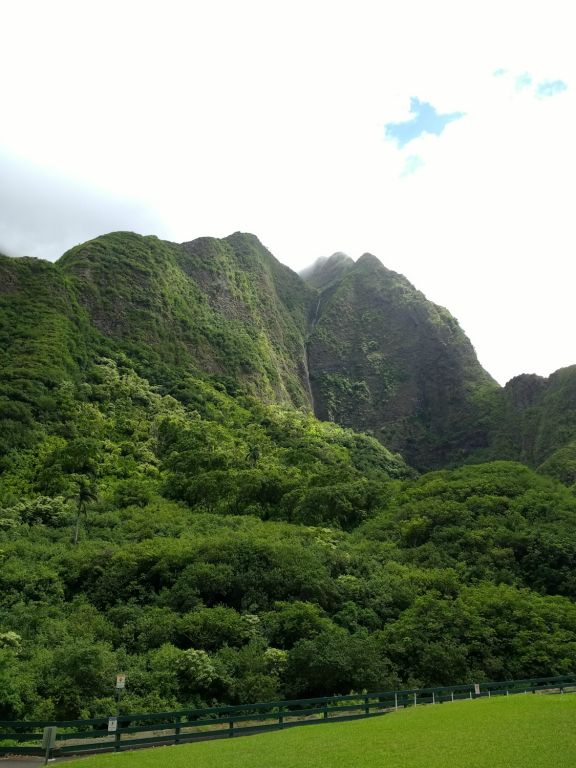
x=234 y=484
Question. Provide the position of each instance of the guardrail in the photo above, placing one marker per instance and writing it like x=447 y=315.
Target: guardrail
x=127 y=731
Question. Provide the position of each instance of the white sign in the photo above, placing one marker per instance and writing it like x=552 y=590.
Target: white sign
x=120 y=681
x=112 y=724
x=477 y=689
x=49 y=738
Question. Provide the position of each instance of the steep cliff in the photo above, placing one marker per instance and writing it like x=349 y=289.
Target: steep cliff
x=385 y=360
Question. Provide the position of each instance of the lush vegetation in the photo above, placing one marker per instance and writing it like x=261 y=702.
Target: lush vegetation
x=230 y=551
x=223 y=307
x=167 y=511
x=498 y=733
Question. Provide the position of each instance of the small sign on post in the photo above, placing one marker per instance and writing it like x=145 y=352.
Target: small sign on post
x=113 y=721
x=48 y=741
x=477 y=689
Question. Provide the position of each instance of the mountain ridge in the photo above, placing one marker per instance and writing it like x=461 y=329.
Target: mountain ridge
x=363 y=347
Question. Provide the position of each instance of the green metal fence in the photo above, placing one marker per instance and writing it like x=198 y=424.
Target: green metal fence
x=128 y=731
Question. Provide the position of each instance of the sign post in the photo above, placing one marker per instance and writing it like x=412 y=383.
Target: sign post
x=49 y=741
x=113 y=721
x=120 y=685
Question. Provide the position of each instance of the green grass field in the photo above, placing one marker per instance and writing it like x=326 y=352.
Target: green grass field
x=523 y=730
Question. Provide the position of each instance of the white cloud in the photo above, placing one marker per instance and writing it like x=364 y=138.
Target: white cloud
x=43 y=213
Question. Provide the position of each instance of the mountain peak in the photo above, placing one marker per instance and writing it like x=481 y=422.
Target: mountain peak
x=327 y=270
x=385 y=360
x=369 y=258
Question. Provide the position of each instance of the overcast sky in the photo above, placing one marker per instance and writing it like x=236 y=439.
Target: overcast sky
x=437 y=135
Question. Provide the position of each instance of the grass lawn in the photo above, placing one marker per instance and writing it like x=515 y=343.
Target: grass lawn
x=522 y=730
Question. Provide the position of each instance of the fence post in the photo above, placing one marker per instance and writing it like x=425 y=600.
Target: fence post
x=231 y=728
x=433 y=698
x=414 y=698
x=177 y=732
x=395 y=701
x=280 y=718
x=452 y=695
x=366 y=706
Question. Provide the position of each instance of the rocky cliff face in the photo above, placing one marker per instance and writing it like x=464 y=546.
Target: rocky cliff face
x=537 y=418
x=248 y=288
x=385 y=360
x=225 y=308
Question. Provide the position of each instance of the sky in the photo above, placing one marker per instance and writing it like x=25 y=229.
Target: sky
x=438 y=136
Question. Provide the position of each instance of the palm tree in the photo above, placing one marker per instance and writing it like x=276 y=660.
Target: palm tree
x=85 y=494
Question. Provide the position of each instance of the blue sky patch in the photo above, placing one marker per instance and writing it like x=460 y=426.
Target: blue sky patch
x=500 y=72
x=550 y=88
x=523 y=81
x=411 y=165
x=426 y=120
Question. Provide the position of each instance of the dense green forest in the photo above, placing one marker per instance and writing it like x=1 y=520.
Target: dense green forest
x=171 y=508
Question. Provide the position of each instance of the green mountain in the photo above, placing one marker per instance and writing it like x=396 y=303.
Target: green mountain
x=171 y=506
x=534 y=421
x=385 y=360
x=354 y=343
x=43 y=344
x=226 y=308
